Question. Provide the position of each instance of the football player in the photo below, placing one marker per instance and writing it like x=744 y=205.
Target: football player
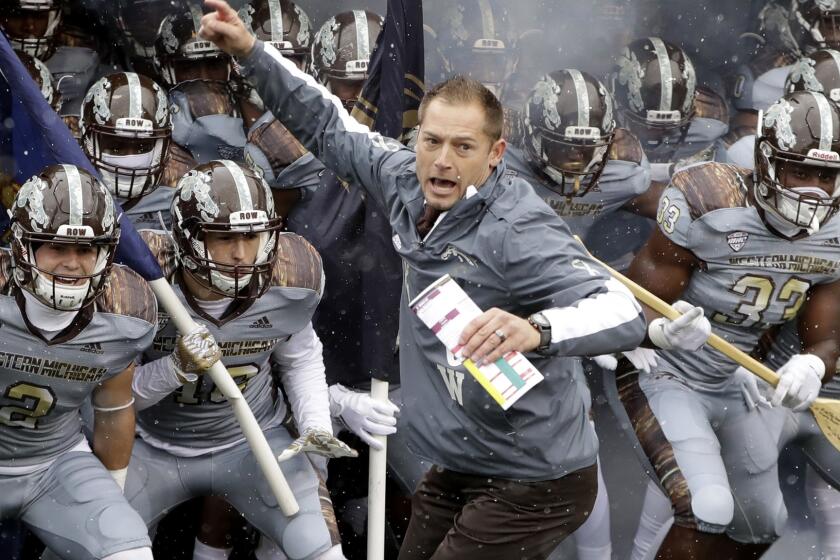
x=126 y=132
x=73 y=325
x=752 y=247
x=342 y=51
x=256 y=289
x=584 y=168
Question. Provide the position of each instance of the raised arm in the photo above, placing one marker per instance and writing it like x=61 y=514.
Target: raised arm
x=315 y=117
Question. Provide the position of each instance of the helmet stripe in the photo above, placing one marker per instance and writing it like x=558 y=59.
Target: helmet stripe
x=836 y=57
x=196 y=17
x=275 y=15
x=74 y=194
x=666 y=79
x=582 y=97
x=488 y=25
x=135 y=96
x=826 y=122
x=245 y=202
x=362 y=39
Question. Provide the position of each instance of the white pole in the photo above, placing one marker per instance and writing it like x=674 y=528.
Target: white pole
x=376 y=484
x=250 y=428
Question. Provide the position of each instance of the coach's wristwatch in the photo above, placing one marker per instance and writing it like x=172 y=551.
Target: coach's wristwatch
x=543 y=326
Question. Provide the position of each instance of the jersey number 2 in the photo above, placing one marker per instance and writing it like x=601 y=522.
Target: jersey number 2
x=36 y=401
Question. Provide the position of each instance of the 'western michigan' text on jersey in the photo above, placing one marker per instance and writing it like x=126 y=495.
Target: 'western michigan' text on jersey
x=626 y=175
x=749 y=279
x=197 y=414
x=44 y=383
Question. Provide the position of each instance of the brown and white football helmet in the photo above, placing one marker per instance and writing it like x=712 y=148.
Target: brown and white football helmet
x=125 y=131
x=224 y=196
x=31 y=25
x=63 y=205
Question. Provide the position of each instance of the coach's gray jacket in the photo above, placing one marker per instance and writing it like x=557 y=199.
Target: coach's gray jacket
x=507 y=249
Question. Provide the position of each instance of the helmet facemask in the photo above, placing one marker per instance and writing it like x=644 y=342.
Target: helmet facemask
x=800 y=207
x=131 y=166
x=242 y=281
x=31 y=26
x=660 y=132
x=487 y=62
x=574 y=161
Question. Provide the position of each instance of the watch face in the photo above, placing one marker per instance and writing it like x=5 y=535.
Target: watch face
x=540 y=320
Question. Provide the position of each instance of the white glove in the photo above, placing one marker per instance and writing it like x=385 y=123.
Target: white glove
x=753 y=396
x=688 y=332
x=800 y=382
x=363 y=415
x=643 y=359
x=606 y=361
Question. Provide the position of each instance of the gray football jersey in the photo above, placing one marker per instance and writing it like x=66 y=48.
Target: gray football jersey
x=750 y=279
x=74 y=70
x=45 y=383
x=152 y=211
x=197 y=414
x=625 y=176
x=206 y=121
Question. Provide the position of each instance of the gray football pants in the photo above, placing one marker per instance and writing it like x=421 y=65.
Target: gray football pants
x=75 y=508
x=715 y=458
x=158 y=481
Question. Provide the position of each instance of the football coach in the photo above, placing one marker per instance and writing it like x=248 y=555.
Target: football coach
x=505 y=483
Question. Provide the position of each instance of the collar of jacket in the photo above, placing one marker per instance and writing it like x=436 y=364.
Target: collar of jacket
x=459 y=215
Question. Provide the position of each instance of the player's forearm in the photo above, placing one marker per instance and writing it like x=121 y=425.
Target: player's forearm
x=153 y=381
x=304 y=379
x=113 y=437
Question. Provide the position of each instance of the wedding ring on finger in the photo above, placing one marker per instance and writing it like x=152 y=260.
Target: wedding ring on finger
x=502 y=336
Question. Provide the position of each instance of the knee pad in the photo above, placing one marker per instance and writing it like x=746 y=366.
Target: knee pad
x=305 y=536
x=335 y=553
x=713 y=507
x=144 y=553
x=825 y=505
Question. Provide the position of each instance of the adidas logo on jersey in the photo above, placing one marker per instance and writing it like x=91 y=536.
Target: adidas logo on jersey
x=92 y=348
x=833 y=242
x=261 y=323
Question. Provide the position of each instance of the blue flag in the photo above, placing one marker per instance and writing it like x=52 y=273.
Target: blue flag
x=33 y=136
x=394 y=87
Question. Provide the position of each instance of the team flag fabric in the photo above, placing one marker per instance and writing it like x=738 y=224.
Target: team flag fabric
x=33 y=136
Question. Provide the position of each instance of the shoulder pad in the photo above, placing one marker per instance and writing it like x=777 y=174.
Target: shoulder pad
x=5 y=269
x=203 y=97
x=126 y=293
x=626 y=147
x=736 y=133
x=279 y=145
x=769 y=58
x=163 y=248
x=513 y=129
x=178 y=162
x=710 y=105
x=712 y=186
x=298 y=264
